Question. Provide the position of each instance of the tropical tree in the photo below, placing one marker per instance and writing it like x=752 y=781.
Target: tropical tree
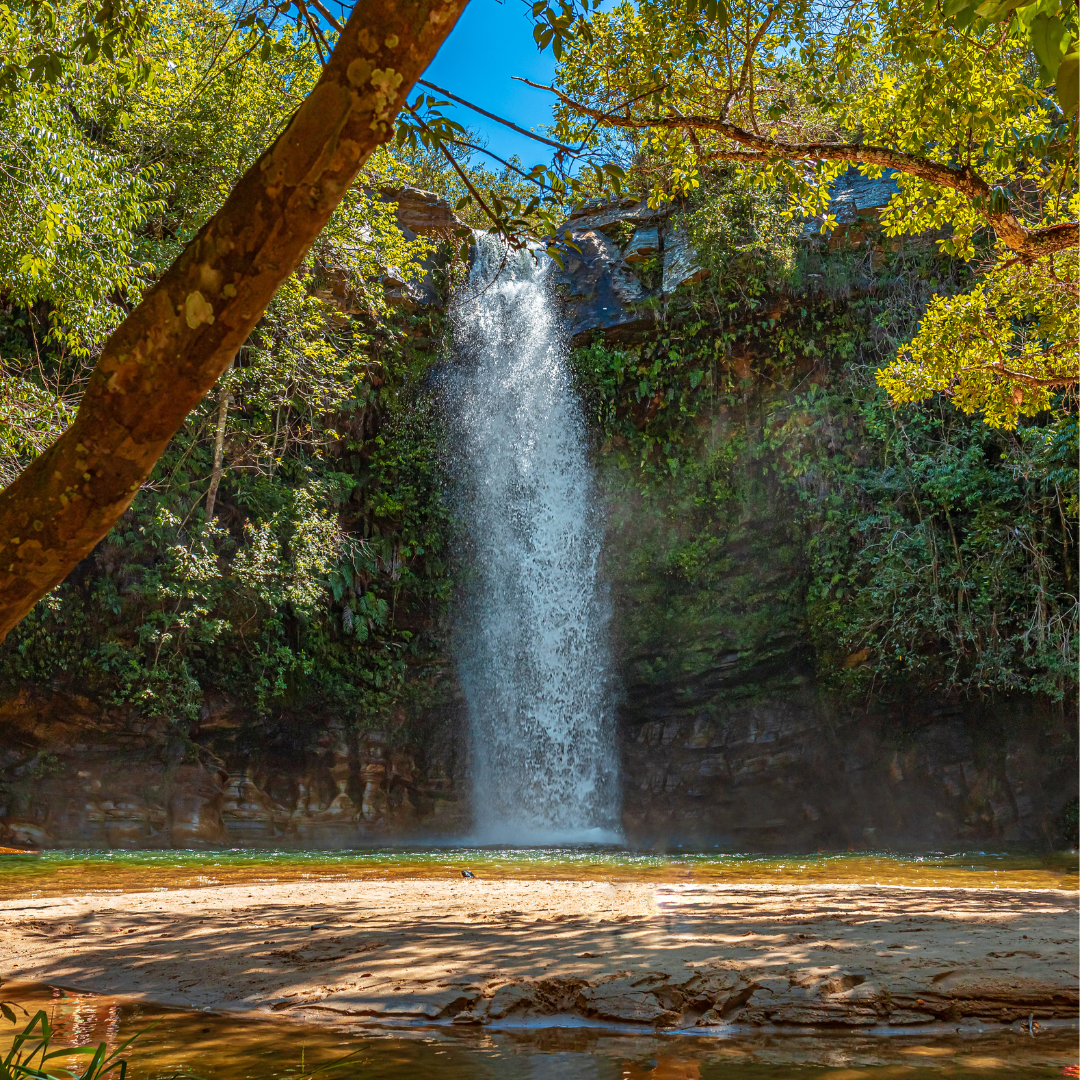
x=953 y=100
x=169 y=351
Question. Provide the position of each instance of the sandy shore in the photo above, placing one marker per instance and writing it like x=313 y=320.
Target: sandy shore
x=475 y=951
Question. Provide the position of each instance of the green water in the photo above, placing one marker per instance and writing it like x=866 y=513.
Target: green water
x=217 y=1047
x=63 y=873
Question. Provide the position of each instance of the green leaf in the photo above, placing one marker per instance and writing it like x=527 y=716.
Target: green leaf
x=1068 y=82
x=996 y=10
x=1050 y=40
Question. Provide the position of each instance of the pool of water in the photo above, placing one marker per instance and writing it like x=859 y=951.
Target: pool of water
x=212 y=1046
x=63 y=873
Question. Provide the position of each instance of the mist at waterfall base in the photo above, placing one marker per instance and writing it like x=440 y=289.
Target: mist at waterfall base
x=531 y=642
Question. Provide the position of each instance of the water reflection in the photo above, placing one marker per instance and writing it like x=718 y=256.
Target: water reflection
x=220 y=1047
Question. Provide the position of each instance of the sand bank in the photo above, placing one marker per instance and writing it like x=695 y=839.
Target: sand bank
x=476 y=951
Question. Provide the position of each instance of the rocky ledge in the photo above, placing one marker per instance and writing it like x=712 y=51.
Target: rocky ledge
x=475 y=952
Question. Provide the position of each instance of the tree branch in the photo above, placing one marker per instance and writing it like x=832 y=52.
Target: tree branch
x=498 y=119
x=325 y=14
x=1029 y=244
x=469 y=186
x=999 y=368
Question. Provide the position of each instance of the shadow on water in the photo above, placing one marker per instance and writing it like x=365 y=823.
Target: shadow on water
x=65 y=873
x=222 y=1047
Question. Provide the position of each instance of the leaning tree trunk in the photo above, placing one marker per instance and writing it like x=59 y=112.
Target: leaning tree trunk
x=224 y=400
x=165 y=357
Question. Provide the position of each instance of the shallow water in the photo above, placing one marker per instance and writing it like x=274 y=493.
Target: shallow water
x=64 y=873
x=221 y=1047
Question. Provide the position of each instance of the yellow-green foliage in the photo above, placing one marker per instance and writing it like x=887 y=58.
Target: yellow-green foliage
x=955 y=86
x=1004 y=349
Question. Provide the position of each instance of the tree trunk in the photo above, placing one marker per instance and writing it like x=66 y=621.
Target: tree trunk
x=164 y=358
x=219 y=453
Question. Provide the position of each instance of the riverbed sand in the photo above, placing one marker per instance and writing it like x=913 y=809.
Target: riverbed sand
x=476 y=951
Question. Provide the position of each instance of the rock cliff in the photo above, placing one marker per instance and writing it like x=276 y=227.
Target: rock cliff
x=726 y=737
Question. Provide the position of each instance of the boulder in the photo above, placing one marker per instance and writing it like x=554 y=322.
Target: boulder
x=511 y=998
x=599 y=214
x=623 y=999
x=422 y=213
x=600 y=290
x=681 y=266
x=410 y=295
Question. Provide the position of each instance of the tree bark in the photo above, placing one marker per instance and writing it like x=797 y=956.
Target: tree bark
x=219 y=453
x=164 y=358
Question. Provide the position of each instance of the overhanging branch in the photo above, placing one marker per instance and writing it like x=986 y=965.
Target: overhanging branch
x=1029 y=244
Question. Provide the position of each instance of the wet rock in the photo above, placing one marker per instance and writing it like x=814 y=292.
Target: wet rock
x=624 y=999
x=601 y=292
x=194 y=811
x=249 y=814
x=511 y=998
x=26 y=834
x=428 y=1005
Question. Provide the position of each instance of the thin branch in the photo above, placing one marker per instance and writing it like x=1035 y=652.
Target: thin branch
x=497 y=119
x=502 y=161
x=317 y=38
x=325 y=14
x=999 y=368
x=456 y=167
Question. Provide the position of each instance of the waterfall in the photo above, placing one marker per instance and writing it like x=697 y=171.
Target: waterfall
x=532 y=643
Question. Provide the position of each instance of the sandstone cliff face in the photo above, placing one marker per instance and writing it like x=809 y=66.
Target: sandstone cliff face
x=74 y=775
x=784 y=771
x=788 y=773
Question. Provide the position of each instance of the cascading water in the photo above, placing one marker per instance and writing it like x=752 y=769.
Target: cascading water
x=532 y=646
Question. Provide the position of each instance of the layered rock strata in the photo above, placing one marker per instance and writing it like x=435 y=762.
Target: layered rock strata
x=739 y=765
x=75 y=775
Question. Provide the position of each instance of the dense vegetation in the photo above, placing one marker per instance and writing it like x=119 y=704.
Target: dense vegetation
x=316 y=572
x=764 y=494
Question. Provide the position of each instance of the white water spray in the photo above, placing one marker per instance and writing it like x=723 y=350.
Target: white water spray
x=532 y=647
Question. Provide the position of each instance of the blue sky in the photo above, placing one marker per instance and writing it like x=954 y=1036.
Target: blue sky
x=490 y=43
